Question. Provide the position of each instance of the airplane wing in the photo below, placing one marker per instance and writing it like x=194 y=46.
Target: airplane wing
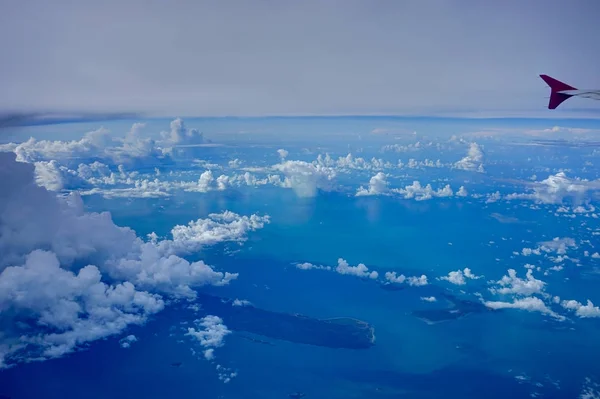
x=593 y=94
x=560 y=92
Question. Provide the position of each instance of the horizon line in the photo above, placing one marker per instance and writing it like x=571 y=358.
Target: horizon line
x=17 y=119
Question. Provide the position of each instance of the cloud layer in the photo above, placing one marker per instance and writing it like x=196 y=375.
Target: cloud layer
x=80 y=276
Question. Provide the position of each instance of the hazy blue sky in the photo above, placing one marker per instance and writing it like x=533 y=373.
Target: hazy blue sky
x=297 y=57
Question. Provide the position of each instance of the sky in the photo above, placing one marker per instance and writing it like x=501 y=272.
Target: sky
x=236 y=58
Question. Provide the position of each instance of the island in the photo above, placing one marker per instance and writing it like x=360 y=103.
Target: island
x=341 y=332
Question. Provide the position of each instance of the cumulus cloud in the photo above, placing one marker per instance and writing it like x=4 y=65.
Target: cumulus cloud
x=96 y=176
x=462 y=192
x=558 y=188
x=343 y=267
x=217 y=227
x=309 y=266
x=282 y=153
x=127 y=341
x=418 y=192
x=414 y=164
x=558 y=246
x=55 y=177
x=179 y=135
x=350 y=162
x=411 y=147
x=71 y=308
x=530 y=304
x=151 y=187
x=393 y=277
x=306 y=178
x=360 y=270
x=512 y=284
x=429 y=298
x=97 y=144
x=473 y=161
x=590 y=390
x=458 y=277
x=211 y=335
x=415 y=281
x=241 y=302
x=378 y=185
x=588 y=310
x=100 y=145
x=83 y=277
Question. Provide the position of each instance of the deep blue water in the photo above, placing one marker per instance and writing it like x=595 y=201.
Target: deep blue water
x=477 y=356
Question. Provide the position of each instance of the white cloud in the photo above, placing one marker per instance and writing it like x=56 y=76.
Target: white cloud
x=234 y=163
x=493 y=197
x=209 y=354
x=530 y=251
x=212 y=334
x=305 y=178
x=428 y=298
x=590 y=390
x=411 y=147
x=309 y=266
x=414 y=164
x=55 y=177
x=511 y=284
x=225 y=374
x=473 y=161
x=241 y=302
x=350 y=162
x=416 y=281
x=32 y=150
x=557 y=245
x=583 y=311
x=179 y=135
x=75 y=304
x=99 y=144
x=360 y=270
x=530 y=304
x=127 y=341
x=378 y=185
x=458 y=277
x=556 y=188
x=420 y=193
x=217 y=227
x=392 y=277
x=343 y=267
x=152 y=187
x=462 y=192
x=95 y=144
x=73 y=308
x=282 y=153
